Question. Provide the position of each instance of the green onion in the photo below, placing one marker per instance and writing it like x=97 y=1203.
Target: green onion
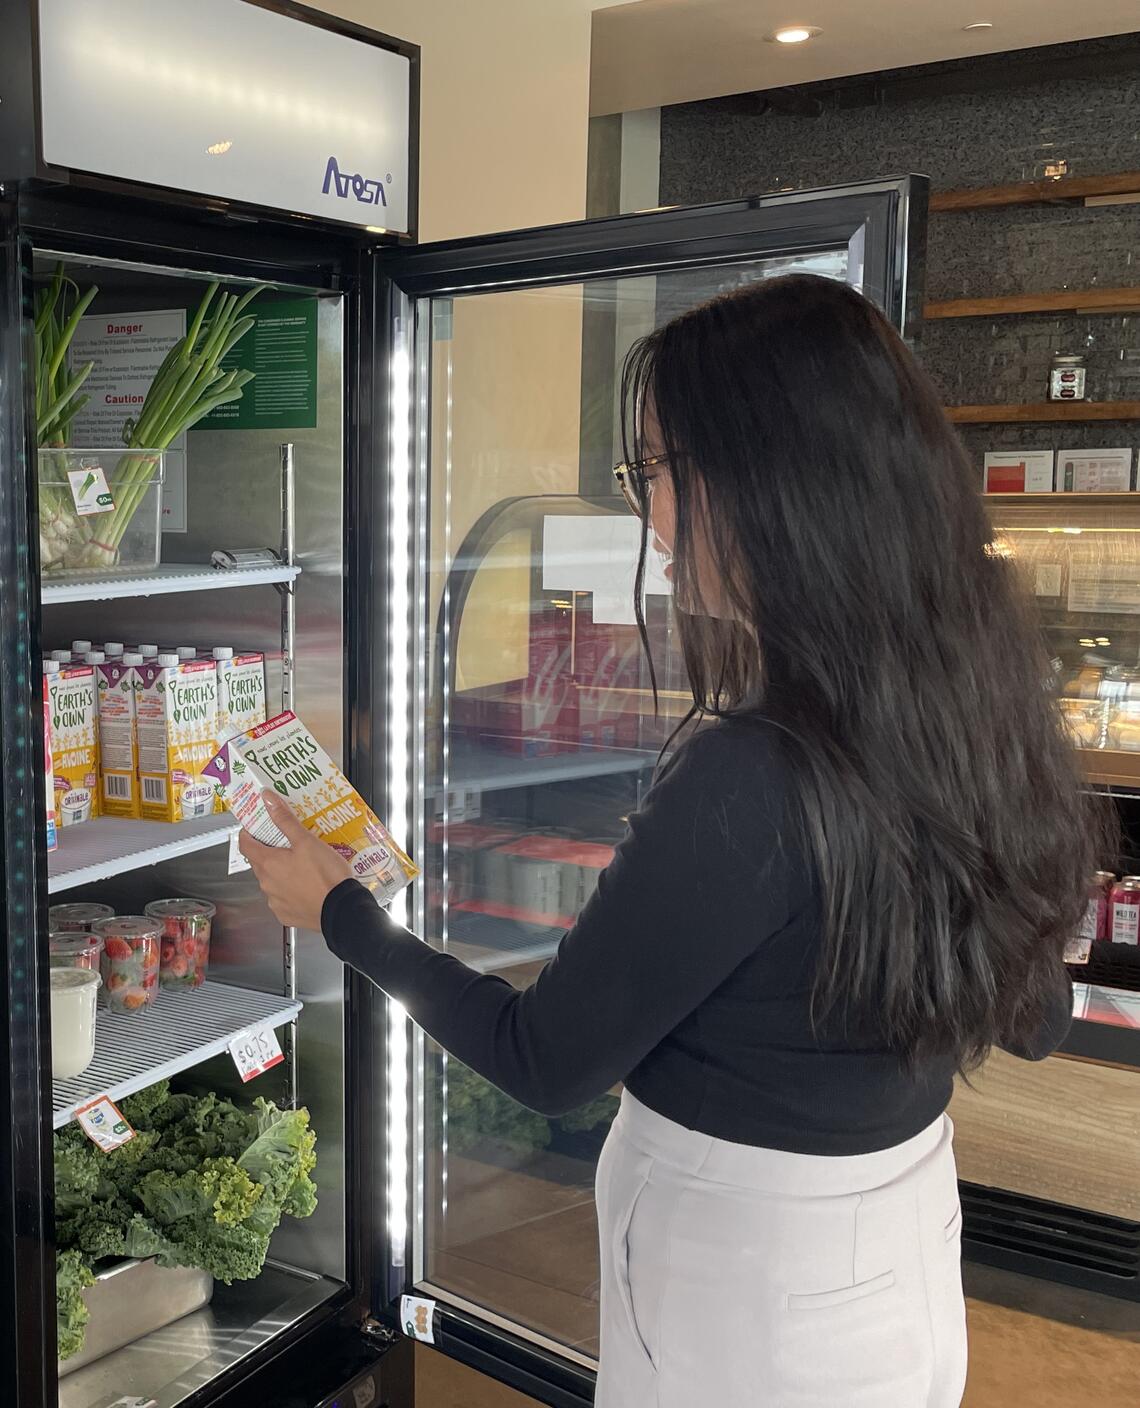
x=57 y=310
x=57 y=388
x=188 y=385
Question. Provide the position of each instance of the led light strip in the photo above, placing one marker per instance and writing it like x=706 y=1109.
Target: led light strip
x=423 y=342
x=399 y=714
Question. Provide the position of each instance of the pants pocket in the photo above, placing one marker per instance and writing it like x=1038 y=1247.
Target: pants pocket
x=843 y=1295
x=953 y=1228
x=623 y=1279
x=623 y=1177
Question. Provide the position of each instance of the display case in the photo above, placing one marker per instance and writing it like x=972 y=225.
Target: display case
x=1080 y=555
x=1046 y=1152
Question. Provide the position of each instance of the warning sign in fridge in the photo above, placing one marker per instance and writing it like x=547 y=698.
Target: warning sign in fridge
x=281 y=352
x=127 y=349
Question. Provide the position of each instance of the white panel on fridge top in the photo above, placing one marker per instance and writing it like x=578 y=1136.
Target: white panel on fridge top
x=223 y=98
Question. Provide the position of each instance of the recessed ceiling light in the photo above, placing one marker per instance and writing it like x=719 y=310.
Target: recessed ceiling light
x=793 y=34
x=979 y=24
x=219 y=148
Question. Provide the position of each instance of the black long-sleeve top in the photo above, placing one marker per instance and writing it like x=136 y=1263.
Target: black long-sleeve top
x=687 y=976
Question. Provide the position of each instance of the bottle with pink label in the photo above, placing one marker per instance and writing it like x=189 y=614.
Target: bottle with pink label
x=1125 y=911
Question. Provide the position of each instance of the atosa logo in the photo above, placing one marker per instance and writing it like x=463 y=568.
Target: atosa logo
x=367 y=190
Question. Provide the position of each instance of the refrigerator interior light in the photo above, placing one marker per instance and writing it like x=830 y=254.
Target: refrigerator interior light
x=399 y=713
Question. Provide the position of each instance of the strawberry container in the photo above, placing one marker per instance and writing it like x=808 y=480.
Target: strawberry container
x=77 y=918
x=74 y=949
x=131 y=948
x=185 y=953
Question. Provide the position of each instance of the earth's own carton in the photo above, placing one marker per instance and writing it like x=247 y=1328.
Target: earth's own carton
x=241 y=693
x=283 y=756
x=116 y=685
x=177 y=706
x=241 y=696
x=74 y=743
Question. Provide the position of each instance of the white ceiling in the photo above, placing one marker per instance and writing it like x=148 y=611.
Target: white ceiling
x=653 y=52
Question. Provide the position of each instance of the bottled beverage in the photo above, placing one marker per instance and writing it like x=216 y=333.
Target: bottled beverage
x=1094 y=923
x=1125 y=916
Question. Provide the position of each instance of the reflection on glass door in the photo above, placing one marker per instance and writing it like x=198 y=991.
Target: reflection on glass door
x=541 y=738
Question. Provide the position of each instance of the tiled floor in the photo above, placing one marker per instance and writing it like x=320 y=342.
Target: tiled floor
x=524 y=1244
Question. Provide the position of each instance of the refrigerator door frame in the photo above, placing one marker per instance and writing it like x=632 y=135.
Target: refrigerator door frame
x=27 y=1331
x=164 y=236
x=885 y=222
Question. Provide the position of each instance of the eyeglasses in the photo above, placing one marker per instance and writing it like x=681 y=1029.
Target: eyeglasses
x=633 y=483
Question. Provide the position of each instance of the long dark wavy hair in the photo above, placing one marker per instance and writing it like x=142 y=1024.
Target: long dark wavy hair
x=877 y=624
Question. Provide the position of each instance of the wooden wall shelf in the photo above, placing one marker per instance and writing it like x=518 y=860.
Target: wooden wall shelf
x=1111 y=767
x=1037 y=192
x=1081 y=300
x=1036 y=412
x=1067 y=497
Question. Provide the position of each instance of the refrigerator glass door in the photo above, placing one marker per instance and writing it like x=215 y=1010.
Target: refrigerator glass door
x=533 y=732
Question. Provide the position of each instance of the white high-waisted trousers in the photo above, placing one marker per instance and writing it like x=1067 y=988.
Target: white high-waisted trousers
x=737 y=1277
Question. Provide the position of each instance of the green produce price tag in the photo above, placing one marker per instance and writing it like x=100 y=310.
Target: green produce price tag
x=103 y=1124
x=89 y=490
x=281 y=352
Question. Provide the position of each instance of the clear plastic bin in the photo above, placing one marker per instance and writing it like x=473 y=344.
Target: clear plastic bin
x=1086 y=721
x=73 y=994
x=1124 y=727
x=130 y=961
x=86 y=528
x=69 y=949
x=185 y=940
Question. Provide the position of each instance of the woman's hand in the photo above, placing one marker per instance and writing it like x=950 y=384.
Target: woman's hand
x=295 y=881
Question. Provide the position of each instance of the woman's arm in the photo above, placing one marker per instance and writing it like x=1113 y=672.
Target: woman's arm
x=698 y=883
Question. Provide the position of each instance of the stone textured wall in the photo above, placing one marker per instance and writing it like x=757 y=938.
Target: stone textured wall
x=714 y=151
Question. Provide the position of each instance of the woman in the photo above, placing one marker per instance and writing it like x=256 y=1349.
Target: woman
x=849 y=884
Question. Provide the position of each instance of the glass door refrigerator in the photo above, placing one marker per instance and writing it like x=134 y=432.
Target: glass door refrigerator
x=192 y=201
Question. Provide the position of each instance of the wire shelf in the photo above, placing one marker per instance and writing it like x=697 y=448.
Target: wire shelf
x=183 y=1028
x=110 y=846
x=170 y=577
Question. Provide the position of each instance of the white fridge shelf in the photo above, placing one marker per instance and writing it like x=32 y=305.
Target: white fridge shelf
x=185 y=1027
x=169 y=577
x=110 y=846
